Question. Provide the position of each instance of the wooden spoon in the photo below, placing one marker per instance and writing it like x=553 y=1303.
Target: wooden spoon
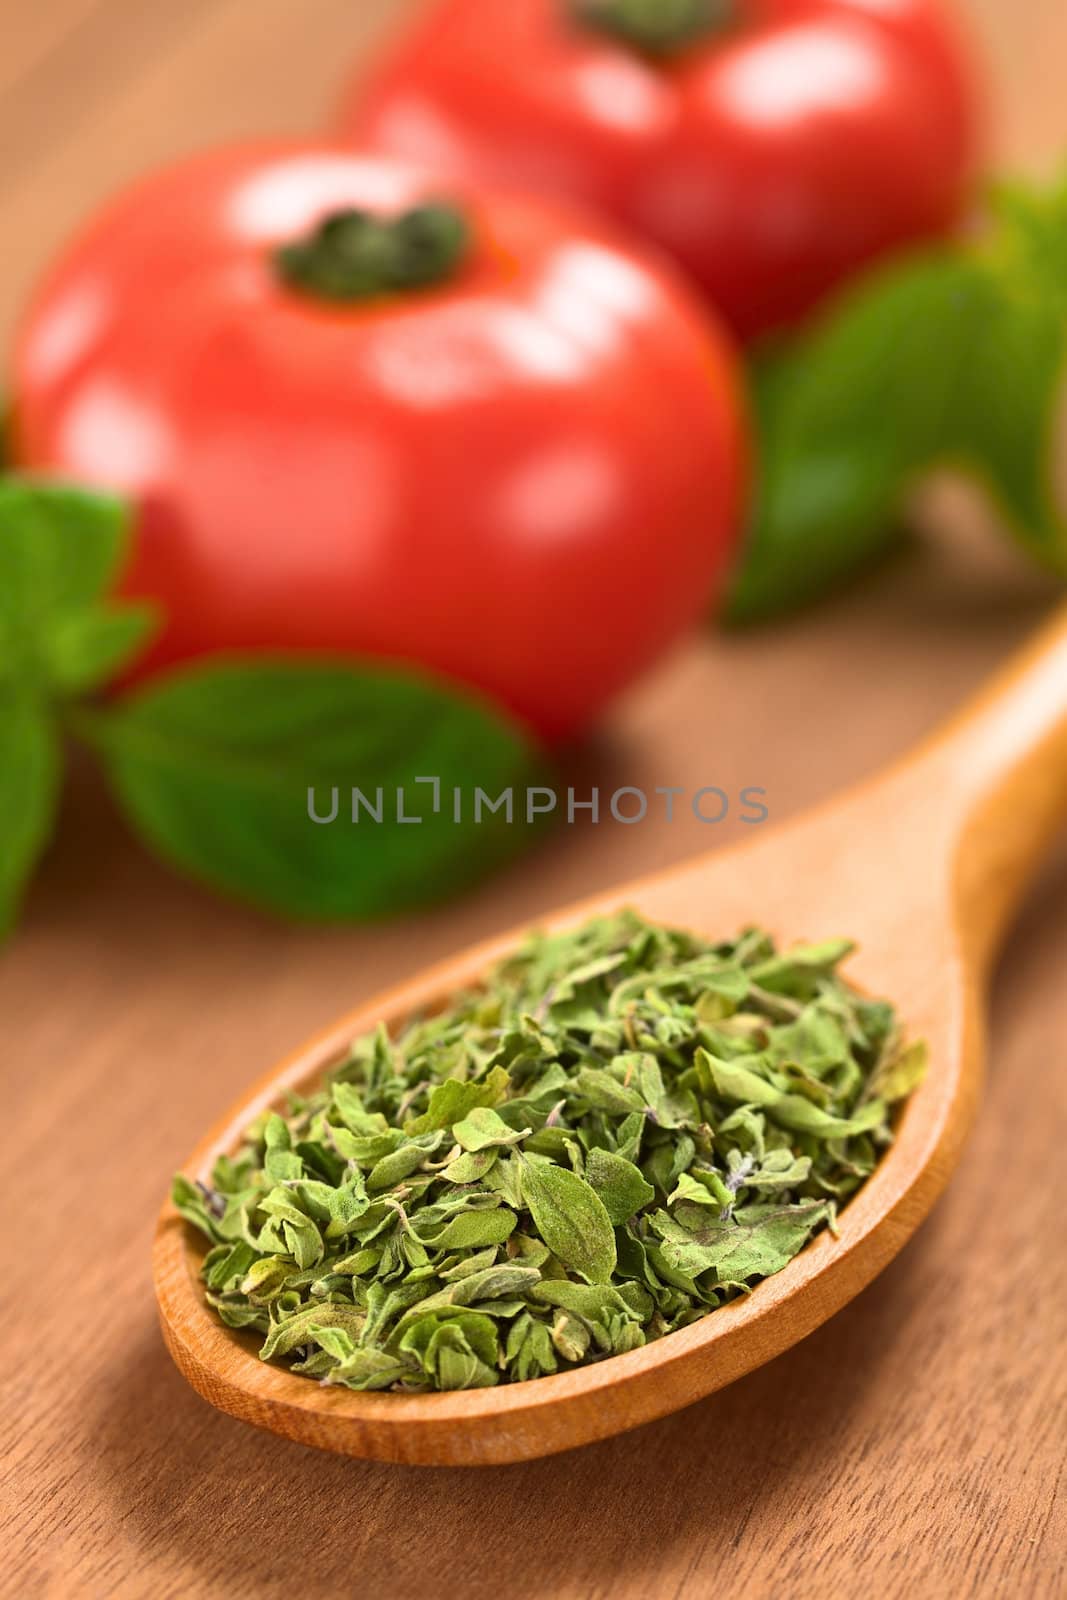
x=923 y=866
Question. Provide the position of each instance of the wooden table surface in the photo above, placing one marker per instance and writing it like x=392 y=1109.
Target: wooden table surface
x=913 y=1445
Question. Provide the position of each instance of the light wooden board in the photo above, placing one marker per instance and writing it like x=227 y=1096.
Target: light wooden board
x=911 y=1446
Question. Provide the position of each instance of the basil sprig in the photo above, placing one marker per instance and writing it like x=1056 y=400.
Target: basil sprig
x=29 y=783
x=953 y=357
x=59 y=550
x=212 y=764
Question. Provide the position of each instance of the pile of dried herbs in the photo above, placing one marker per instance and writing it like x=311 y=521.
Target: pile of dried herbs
x=625 y=1128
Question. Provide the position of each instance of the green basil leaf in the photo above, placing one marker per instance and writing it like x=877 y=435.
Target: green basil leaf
x=88 y=648
x=571 y=1218
x=30 y=764
x=1005 y=428
x=847 y=418
x=60 y=549
x=214 y=764
x=60 y=552
x=955 y=357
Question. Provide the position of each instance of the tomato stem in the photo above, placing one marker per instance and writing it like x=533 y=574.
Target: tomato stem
x=658 y=28
x=353 y=255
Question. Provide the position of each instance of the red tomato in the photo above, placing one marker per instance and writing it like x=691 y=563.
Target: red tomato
x=772 y=155
x=526 y=478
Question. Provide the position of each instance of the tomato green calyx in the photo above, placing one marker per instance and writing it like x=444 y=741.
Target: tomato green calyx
x=354 y=255
x=658 y=28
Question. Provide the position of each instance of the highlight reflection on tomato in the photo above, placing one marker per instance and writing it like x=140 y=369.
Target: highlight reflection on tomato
x=772 y=146
x=525 y=477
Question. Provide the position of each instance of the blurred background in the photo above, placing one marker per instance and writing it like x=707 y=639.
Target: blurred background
x=93 y=92
x=136 y=1006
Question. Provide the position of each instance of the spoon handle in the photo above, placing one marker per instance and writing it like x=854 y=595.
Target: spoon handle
x=1002 y=767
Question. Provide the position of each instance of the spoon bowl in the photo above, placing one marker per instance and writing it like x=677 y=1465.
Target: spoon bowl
x=922 y=866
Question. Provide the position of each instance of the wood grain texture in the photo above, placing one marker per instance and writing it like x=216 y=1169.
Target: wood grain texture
x=911 y=1445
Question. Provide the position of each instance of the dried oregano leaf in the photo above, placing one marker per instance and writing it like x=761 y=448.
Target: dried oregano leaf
x=620 y=1185
x=626 y=1127
x=571 y=1218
